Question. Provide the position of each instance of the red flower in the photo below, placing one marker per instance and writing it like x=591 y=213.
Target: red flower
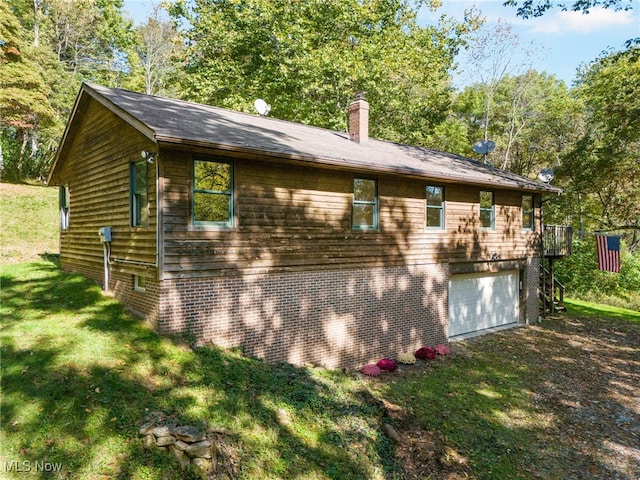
x=387 y=364
x=442 y=349
x=425 y=353
x=371 y=369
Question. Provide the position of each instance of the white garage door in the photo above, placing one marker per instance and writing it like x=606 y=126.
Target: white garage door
x=482 y=300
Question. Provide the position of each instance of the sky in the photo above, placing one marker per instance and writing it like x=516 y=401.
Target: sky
x=563 y=40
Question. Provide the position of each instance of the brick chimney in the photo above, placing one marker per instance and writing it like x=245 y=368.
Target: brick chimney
x=359 y=119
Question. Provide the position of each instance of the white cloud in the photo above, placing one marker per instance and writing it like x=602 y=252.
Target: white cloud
x=597 y=19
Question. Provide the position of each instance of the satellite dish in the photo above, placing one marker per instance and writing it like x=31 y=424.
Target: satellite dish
x=262 y=107
x=483 y=146
x=546 y=175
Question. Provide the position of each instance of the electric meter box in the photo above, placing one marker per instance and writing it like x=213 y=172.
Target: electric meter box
x=105 y=234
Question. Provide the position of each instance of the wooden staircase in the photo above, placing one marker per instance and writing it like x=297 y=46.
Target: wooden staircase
x=556 y=244
x=551 y=293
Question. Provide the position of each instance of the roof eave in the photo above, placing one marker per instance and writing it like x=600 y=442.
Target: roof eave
x=168 y=141
x=87 y=91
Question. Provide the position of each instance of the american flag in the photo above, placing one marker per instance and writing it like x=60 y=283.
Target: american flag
x=608 y=253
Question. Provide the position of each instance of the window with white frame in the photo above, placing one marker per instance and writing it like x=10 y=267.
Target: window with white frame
x=139 y=283
x=365 y=204
x=435 y=207
x=528 y=216
x=487 y=210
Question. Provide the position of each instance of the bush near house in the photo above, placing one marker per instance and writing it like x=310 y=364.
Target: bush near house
x=579 y=273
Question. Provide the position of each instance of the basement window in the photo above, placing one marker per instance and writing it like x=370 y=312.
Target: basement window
x=487 y=211
x=365 y=204
x=212 y=193
x=139 y=283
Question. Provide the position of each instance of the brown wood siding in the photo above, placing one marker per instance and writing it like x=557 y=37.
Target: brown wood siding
x=96 y=170
x=290 y=218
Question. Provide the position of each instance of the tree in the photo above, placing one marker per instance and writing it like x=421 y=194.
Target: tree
x=308 y=59
x=25 y=104
x=491 y=58
x=537 y=8
x=602 y=168
x=533 y=121
x=48 y=46
x=157 y=49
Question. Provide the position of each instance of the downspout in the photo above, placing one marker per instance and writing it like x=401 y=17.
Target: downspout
x=106 y=247
x=544 y=278
x=104 y=234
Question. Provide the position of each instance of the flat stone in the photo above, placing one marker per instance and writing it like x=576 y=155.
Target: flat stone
x=149 y=441
x=147 y=428
x=180 y=445
x=182 y=457
x=165 y=441
x=161 y=431
x=199 y=449
x=201 y=466
x=188 y=433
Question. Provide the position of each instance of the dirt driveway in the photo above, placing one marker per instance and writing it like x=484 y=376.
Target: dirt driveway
x=583 y=380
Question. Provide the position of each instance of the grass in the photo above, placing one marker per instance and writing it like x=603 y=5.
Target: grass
x=79 y=375
x=28 y=222
x=581 y=307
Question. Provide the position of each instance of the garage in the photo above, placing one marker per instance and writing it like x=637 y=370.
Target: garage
x=478 y=301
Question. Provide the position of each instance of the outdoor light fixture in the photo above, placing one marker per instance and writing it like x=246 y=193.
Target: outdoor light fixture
x=147 y=155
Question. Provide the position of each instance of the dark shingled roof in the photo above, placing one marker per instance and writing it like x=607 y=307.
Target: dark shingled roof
x=170 y=121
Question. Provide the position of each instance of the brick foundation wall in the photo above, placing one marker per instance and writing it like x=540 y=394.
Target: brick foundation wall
x=331 y=318
x=144 y=304
x=532 y=282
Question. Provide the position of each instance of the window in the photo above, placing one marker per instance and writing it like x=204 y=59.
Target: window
x=138 y=194
x=212 y=193
x=487 y=210
x=64 y=207
x=365 y=203
x=528 y=217
x=139 y=283
x=435 y=207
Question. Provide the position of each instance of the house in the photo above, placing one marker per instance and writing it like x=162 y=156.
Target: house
x=292 y=242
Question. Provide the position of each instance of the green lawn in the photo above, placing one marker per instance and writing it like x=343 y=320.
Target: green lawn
x=580 y=307
x=79 y=375
x=28 y=222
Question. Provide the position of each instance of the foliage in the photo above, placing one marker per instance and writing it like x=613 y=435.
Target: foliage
x=537 y=8
x=48 y=46
x=308 y=59
x=580 y=275
x=531 y=117
x=155 y=56
x=600 y=171
x=27 y=100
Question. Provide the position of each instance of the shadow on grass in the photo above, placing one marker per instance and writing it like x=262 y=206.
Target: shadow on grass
x=80 y=375
x=542 y=402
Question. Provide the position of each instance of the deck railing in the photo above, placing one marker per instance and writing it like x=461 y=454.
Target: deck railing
x=556 y=240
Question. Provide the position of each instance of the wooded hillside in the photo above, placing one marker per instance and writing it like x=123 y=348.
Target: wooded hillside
x=308 y=59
